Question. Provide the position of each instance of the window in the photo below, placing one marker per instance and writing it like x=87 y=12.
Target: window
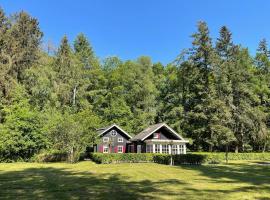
x=165 y=148
x=105 y=139
x=174 y=149
x=157 y=148
x=113 y=133
x=120 y=140
x=156 y=136
x=181 y=149
x=120 y=149
x=149 y=148
x=105 y=149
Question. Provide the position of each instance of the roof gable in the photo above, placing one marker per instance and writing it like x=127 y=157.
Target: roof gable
x=152 y=129
x=101 y=131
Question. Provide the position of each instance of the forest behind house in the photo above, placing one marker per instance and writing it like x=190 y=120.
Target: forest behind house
x=215 y=93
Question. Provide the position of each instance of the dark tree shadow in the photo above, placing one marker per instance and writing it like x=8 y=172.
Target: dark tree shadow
x=234 y=173
x=55 y=183
x=62 y=183
x=257 y=177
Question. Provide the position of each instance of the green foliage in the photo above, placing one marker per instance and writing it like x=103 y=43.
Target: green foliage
x=218 y=157
x=217 y=95
x=190 y=158
x=21 y=131
x=193 y=159
x=50 y=156
x=72 y=133
x=102 y=158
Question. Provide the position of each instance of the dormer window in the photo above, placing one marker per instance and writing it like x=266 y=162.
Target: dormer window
x=156 y=135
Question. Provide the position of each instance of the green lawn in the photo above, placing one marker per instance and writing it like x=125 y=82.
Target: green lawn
x=87 y=180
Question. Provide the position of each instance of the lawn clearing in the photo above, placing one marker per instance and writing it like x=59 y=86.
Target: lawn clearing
x=86 y=180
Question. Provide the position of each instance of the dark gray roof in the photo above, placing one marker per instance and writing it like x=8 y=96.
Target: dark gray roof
x=100 y=130
x=147 y=131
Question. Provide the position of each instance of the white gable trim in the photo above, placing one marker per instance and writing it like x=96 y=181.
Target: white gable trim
x=165 y=125
x=114 y=125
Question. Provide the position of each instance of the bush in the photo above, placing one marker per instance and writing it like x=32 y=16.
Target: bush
x=162 y=158
x=101 y=158
x=214 y=157
x=50 y=156
x=190 y=158
x=193 y=159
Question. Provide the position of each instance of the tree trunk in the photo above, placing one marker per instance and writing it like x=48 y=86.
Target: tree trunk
x=236 y=148
x=226 y=154
x=264 y=147
x=71 y=156
x=74 y=95
x=242 y=140
x=210 y=148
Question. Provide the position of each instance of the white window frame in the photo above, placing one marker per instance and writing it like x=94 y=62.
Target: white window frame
x=157 y=148
x=106 y=147
x=120 y=139
x=156 y=136
x=165 y=148
x=106 y=138
x=121 y=148
x=174 y=149
x=181 y=149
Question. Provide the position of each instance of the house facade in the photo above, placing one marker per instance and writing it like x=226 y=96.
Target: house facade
x=113 y=139
x=158 y=138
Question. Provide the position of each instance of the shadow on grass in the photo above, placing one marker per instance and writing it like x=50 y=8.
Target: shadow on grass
x=255 y=176
x=62 y=183
x=235 y=173
x=55 y=183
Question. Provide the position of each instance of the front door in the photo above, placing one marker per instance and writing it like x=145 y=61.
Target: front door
x=139 y=148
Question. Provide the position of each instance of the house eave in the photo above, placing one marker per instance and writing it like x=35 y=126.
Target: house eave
x=165 y=141
x=166 y=126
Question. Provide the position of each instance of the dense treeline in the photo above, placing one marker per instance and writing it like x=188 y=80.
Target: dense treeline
x=215 y=93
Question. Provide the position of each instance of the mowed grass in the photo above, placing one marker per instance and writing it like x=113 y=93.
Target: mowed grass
x=87 y=180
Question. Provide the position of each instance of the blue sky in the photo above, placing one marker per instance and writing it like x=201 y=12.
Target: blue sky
x=156 y=28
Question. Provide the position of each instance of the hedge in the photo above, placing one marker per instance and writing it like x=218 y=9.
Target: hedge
x=220 y=156
x=50 y=156
x=101 y=158
x=196 y=158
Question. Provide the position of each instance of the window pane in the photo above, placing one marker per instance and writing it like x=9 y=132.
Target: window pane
x=149 y=148
x=174 y=149
x=157 y=148
x=120 y=149
x=165 y=148
x=105 y=149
